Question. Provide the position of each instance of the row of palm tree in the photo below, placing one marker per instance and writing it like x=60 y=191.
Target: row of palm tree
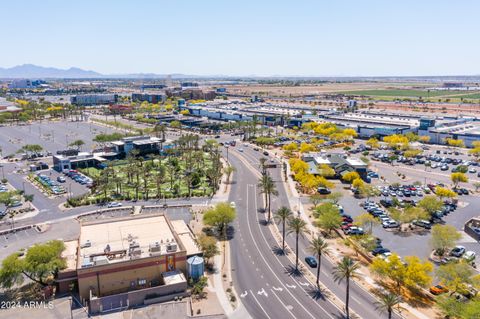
x=346 y=269
x=141 y=172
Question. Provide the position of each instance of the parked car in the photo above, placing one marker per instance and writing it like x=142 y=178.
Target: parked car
x=323 y=191
x=438 y=290
x=354 y=230
x=469 y=256
x=380 y=250
x=61 y=179
x=457 y=251
x=266 y=153
x=422 y=223
x=311 y=261
x=114 y=204
x=390 y=224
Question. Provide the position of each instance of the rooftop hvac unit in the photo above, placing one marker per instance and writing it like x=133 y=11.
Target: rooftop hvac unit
x=155 y=247
x=134 y=245
x=172 y=247
x=135 y=253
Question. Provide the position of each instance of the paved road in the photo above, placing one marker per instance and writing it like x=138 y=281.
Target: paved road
x=254 y=242
x=264 y=280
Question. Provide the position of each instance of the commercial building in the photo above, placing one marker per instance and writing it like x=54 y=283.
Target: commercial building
x=25 y=84
x=465 y=129
x=145 y=145
x=7 y=106
x=94 y=99
x=341 y=163
x=150 y=98
x=129 y=261
x=82 y=160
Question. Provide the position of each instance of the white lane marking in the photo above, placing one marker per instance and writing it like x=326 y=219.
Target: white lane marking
x=262 y=292
x=291 y=286
x=253 y=295
x=289 y=307
x=304 y=283
x=244 y=294
x=356 y=300
x=265 y=239
x=268 y=265
x=277 y=288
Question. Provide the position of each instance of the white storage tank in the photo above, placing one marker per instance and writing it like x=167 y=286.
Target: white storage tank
x=195 y=267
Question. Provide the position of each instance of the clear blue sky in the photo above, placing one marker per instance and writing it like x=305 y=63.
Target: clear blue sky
x=243 y=37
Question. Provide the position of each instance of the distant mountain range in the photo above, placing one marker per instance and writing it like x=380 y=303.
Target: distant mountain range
x=31 y=71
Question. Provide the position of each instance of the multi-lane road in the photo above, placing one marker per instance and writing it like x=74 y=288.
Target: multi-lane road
x=264 y=279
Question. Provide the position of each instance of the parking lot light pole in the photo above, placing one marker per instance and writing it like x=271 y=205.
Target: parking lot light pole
x=3 y=172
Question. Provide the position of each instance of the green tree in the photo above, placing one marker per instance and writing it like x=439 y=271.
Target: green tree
x=281 y=216
x=228 y=171
x=458 y=178
x=319 y=247
x=298 y=226
x=334 y=197
x=367 y=221
x=455 y=276
x=77 y=143
x=346 y=269
x=219 y=217
x=316 y=199
x=444 y=237
x=208 y=245
x=386 y=303
x=199 y=286
x=40 y=264
x=328 y=217
x=268 y=188
x=430 y=204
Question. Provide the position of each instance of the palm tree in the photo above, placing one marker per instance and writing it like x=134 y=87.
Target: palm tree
x=262 y=161
x=346 y=269
x=281 y=216
x=228 y=171
x=267 y=187
x=319 y=247
x=299 y=227
x=386 y=303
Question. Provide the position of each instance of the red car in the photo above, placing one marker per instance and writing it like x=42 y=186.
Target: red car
x=346 y=225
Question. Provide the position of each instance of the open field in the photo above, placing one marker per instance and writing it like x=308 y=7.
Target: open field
x=319 y=89
x=407 y=93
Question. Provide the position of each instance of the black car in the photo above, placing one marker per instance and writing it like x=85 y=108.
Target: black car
x=323 y=191
x=311 y=261
x=265 y=153
x=464 y=191
x=380 y=250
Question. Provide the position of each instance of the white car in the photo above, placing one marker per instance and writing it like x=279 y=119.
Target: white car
x=114 y=204
x=472 y=170
x=390 y=224
x=469 y=255
x=240 y=149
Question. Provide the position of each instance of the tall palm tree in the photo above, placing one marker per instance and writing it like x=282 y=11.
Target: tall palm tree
x=319 y=247
x=346 y=269
x=268 y=188
x=299 y=227
x=386 y=303
x=262 y=161
x=281 y=216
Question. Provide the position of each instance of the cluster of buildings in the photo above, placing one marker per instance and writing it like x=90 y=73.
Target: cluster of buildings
x=340 y=163
x=130 y=261
x=144 y=145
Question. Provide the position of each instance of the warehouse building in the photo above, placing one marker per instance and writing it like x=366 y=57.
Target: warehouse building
x=94 y=99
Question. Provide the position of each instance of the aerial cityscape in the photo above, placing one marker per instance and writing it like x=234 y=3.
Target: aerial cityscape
x=241 y=160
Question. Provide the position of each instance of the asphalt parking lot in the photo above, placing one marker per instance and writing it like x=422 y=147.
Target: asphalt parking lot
x=417 y=243
x=52 y=136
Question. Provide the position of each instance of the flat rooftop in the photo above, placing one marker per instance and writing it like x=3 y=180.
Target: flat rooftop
x=186 y=237
x=124 y=239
